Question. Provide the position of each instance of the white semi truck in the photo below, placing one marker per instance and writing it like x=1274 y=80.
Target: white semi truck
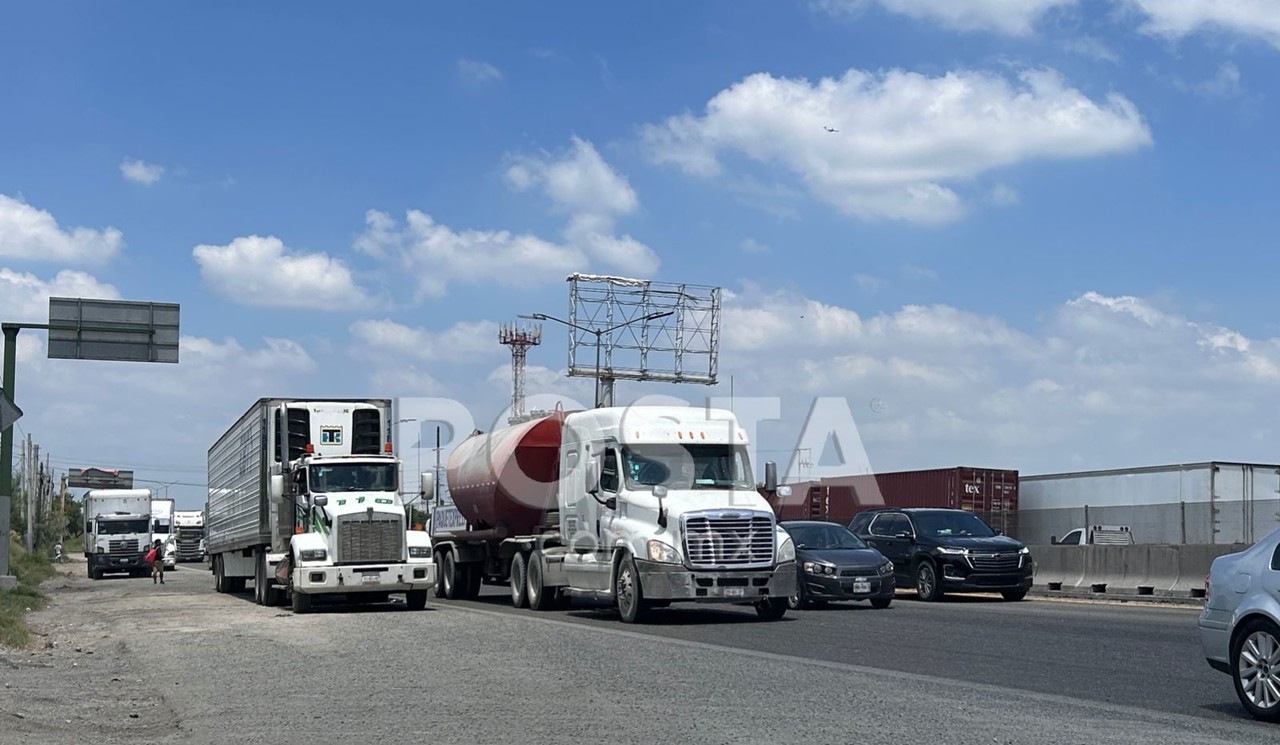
x=639 y=507
x=188 y=527
x=117 y=531
x=304 y=500
x=162 y=509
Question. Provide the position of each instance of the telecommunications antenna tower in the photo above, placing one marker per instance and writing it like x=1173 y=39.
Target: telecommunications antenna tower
x=519 y=338
x=638 y=329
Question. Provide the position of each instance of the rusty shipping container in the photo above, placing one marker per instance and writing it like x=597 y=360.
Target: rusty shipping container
x=990 y=493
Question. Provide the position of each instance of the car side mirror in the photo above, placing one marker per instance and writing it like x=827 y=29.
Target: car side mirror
x=1053 y=540
x=904 y=534
x=999 y=532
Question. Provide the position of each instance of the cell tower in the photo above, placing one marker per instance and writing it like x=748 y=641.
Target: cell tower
x=519 y=338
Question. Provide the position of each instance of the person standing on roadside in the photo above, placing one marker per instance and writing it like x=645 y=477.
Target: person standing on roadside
x=157 y=566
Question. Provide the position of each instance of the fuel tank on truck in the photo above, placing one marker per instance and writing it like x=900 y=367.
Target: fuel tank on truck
x=505 y=480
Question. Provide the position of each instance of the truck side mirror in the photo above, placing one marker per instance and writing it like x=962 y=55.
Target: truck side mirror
x=428 y=481
x=770 y=477
x=320 y=500
x=593 y=477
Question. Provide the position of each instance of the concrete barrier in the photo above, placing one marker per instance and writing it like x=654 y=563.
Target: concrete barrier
x=1171 y=571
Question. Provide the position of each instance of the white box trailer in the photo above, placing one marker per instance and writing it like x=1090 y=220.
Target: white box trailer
x=304 y=500
x=162 y=509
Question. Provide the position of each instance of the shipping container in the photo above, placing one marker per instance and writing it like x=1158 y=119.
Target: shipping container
x=990 y=493
x=1211 y=502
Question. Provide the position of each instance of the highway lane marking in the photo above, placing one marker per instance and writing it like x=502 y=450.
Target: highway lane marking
x=1135 y=712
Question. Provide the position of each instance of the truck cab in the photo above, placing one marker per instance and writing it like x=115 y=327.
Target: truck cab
x=117 y=531
x=162 y=530
x=1099 y=535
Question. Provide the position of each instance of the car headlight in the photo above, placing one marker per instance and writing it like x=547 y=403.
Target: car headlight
x=659 y=551
x=1024 y=550
x=946 y=551
x=886 y=568
x=786 y=550
x=818 y=568
x=314 y=554
x=419 y=552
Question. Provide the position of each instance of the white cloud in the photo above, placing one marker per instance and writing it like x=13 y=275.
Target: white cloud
x=1224 y=84
x=868 y=282
x=27 y=296
x=260 y=271
x=904 y=139
x=1106 y=381
x=1092 y=48
x=437 y=255
x=583 y=186
x=465 y=341
x=140 y=172
x=34 y=235
x=1012 y=17
x=478 y=72
x=1179 y=18
x=753 y=246
x=1004 y=195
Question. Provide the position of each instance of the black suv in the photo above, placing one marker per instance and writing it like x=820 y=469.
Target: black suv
x=946 y=550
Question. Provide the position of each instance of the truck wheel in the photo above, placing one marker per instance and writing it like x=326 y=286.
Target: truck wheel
x=439 y=574
x=771 y=609
x=449 y=577
x=219 y=583
x=415 y=599
x=301 y=602
x=540 y=597
x=630 y=596
x=260 y=577
x=519 y=581
x=475 y=577
x=927 y=585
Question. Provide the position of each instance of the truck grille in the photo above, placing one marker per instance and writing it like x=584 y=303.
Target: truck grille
x=728 y=541
x=365 y=538
x=1009 y=562
x=122 y=545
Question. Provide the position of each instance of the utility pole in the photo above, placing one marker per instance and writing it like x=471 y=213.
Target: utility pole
x=435 y=483
x=62 y=513
x=31 y=495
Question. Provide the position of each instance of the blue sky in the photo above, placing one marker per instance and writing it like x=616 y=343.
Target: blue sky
x=1039 y=238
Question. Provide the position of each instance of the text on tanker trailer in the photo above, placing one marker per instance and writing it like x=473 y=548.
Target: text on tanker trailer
x=304 y=500
x=636 y=506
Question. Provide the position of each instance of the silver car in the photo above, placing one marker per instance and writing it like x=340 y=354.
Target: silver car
x=1240 y=624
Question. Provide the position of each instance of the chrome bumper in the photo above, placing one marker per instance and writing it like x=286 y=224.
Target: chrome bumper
x=351 y=579
x=675 y=582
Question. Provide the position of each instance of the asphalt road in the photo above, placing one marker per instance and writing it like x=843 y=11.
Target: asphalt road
x=126 y=661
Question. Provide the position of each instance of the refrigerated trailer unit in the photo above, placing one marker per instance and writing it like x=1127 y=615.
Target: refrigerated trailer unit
x=304 y=501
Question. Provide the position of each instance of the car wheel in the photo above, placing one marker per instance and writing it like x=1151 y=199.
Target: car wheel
x=881 y=603
x=1014 y=595
x=1255 y=652
x=797 y=599
x=927 y=585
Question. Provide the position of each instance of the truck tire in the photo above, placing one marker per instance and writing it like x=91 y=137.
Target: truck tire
x=301 y=602
x=439 y=574
x=475 y=577
x=219 y=582
x=415 y=599
x=771 y=609
x=540 y=597
x=627 y=591
x=449 y=577
x=519 y=581
x=260 y=577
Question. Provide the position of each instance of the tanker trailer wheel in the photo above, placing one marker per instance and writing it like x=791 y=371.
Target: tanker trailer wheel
x=475 y=577
x=519 y=582
x=540 y=597
x=626 y=587
x=439 y=574
x=449 y=577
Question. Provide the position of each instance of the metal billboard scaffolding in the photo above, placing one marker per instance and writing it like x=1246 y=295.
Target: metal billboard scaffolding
x=638 y=329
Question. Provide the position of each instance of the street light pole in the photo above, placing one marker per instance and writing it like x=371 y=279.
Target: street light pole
x=599 y=334
x=419 y=449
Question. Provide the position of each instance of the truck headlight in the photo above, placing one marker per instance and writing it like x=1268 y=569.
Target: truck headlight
x=786 y=550
x=314 y=554
x=419 y=552
x=659 y=551
x=886 y=569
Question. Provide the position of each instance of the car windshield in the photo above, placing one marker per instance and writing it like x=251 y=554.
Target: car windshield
x=122 y=527
x=352 y=477
x=952 y=525
x=687 y=467
x=823 y=537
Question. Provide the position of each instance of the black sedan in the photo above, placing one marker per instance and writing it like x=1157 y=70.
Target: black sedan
x=834 y=564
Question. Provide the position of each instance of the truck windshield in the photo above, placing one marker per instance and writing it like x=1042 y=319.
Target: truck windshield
x=952 y=525
x=687 y=467
x=161 y=526
x=122 y=527
x=349 y=477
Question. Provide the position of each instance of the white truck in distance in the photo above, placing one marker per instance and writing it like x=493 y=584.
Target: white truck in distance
x=117 y=531
x=188 y=527
x=1097 y=535
x=304 y=500
x=162 y=529
x=637 y=506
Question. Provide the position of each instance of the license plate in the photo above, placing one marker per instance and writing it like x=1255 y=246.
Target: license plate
x=371 y=579
x=733 y=592
x=860 y=587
